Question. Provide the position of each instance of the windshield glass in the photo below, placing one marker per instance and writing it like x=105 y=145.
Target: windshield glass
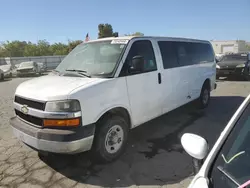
x=95 y=58
x=234 y=157
x=26 y=64
x=238 y=57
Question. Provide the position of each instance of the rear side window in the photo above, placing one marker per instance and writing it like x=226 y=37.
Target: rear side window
x=191 y=53
x=168 y=53
x=201 y=53
x=184 y=53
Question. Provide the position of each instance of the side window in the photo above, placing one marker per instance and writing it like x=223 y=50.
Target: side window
x=168 y=54
x=201 y=53
x=183 y=53
x=143 y=48
x=209 y=55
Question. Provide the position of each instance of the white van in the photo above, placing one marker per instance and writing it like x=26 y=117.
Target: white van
x=107 y=86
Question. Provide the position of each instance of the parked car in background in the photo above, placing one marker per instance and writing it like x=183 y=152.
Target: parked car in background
x=42 y=66
x=1 y=75
x=7 y=69
x=227 y=165
x=234 y=64
x=28 y=68
x=107 y=86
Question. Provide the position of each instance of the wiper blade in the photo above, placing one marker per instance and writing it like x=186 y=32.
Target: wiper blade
x=228 y=175
x=81 y=72
x=75 y=70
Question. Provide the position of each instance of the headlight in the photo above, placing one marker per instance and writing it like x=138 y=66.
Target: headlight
x=217 y=66
x=241 y=65
x=63 y=106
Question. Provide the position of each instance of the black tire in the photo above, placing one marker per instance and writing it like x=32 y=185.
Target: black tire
x=246 y=77
x=1 y=77
x=205 y=93
x=100 y=150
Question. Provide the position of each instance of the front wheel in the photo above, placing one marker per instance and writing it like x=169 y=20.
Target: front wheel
x=204 y=97
x=110 y=138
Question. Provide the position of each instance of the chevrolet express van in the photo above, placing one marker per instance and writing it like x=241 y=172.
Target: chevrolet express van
x=106 y=87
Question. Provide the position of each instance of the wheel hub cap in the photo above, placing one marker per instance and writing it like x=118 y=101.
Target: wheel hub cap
x=114 y=139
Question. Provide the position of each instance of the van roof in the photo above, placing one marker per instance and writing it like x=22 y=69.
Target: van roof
x=149 y=37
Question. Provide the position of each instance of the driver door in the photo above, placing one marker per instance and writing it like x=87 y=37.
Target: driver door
x=144 y=88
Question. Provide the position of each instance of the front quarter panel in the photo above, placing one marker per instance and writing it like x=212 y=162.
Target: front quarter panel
x=101 y=96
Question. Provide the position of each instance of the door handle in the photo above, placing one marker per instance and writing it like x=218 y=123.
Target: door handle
x=159 y=78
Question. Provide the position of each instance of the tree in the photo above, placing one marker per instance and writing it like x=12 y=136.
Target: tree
x=31 y=50
x=43 y=48
x=248 y=47
x=106 y=30
x=73 y=44
x=59 y=49
x=135 y=34
x=14 y=48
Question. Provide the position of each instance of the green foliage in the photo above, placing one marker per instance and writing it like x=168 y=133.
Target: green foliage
x=41 y=48
x=106 y=30
x=73 y=44
x=248 y=47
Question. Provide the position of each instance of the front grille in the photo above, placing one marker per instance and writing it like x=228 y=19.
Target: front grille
x=30 y=103
x=226 y=68
x=34 y=120
x=25 y=70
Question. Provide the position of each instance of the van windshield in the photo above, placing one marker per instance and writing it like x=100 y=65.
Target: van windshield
x=95 y=58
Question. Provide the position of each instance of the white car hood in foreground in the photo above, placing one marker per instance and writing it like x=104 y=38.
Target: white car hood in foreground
x=51 y=87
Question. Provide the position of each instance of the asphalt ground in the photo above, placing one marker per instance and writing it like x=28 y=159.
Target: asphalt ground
x=153 y=158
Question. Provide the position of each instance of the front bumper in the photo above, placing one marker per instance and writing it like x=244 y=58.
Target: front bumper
x=231 y=71
x=7 y=74
x=68 y=141
x=28 y=72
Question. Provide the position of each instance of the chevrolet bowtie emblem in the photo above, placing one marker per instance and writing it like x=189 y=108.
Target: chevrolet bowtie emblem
x=24 y=109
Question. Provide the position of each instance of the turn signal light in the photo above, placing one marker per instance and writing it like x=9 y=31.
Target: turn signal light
x=61 y=122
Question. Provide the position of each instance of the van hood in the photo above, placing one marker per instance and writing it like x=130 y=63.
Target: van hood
x=51 y=87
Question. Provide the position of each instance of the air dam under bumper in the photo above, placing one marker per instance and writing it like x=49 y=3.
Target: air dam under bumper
x=67 y=141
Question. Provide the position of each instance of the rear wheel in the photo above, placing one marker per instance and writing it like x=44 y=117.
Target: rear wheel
x=247 y=75
x=110 y=138
x=204 y=98
x=1 y=77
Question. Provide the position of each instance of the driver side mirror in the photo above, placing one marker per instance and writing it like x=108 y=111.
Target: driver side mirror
x=196 y=147
x=137 y=64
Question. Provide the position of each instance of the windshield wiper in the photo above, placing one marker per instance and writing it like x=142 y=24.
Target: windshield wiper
x=81 y=72
x=228 y=175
